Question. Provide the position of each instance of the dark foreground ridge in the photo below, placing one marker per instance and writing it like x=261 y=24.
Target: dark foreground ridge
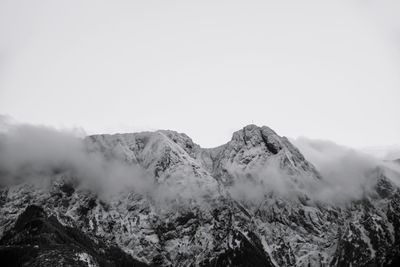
x=38 y=240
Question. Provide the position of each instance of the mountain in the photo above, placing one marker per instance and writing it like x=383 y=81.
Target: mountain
x=249 y=202
x=39 y=240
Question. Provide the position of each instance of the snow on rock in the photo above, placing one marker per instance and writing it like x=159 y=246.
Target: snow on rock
x=198 y=211
x=86 y=258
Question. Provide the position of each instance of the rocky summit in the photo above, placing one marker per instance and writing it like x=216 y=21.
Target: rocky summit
x=169 y=202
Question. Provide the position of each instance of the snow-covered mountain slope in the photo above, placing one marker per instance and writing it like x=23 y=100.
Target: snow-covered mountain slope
x=250 y=202
x=40 y=240
x=252 y=148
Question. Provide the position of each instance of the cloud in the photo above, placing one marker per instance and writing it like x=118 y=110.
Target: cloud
x=255 y=184
x=40 y=154
x=29 y=152
x=391 y=152
x=345 y=171
x=347 y=175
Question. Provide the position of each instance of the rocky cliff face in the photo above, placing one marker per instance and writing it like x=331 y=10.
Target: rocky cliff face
x=249 y=202
x=39 y=240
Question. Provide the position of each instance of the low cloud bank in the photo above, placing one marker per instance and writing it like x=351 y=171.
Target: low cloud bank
x=347 y=174
x=33 y=152
x=40 y=154
x=30 y=152
x=345 y=171
x=255 y=184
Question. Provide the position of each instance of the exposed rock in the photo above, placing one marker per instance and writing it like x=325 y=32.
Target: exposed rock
x=39 y=240
x=200 y=223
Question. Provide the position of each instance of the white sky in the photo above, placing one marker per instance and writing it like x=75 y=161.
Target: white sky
x=321 y=69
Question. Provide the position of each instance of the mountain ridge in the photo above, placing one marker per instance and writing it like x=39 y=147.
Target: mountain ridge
x=208 y=206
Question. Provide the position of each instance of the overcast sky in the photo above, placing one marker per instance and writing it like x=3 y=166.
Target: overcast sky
x=321 y=69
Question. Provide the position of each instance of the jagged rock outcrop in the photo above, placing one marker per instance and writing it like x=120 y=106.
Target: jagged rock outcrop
x=253 y=148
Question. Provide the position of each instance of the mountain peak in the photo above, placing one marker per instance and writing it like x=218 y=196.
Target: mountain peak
x=254 y=127
x=254 y=149
x=253 y=136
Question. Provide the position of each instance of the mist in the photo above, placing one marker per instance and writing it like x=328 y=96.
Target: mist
x=30 y=152
x=33 y=153
x=39 y=154
x=346 y=172
x=256 y=184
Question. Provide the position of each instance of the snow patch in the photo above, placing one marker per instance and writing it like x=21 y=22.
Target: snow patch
x=84 y=257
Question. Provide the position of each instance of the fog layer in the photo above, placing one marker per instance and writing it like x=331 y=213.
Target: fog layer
x=29 y=152
x=346 y=172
